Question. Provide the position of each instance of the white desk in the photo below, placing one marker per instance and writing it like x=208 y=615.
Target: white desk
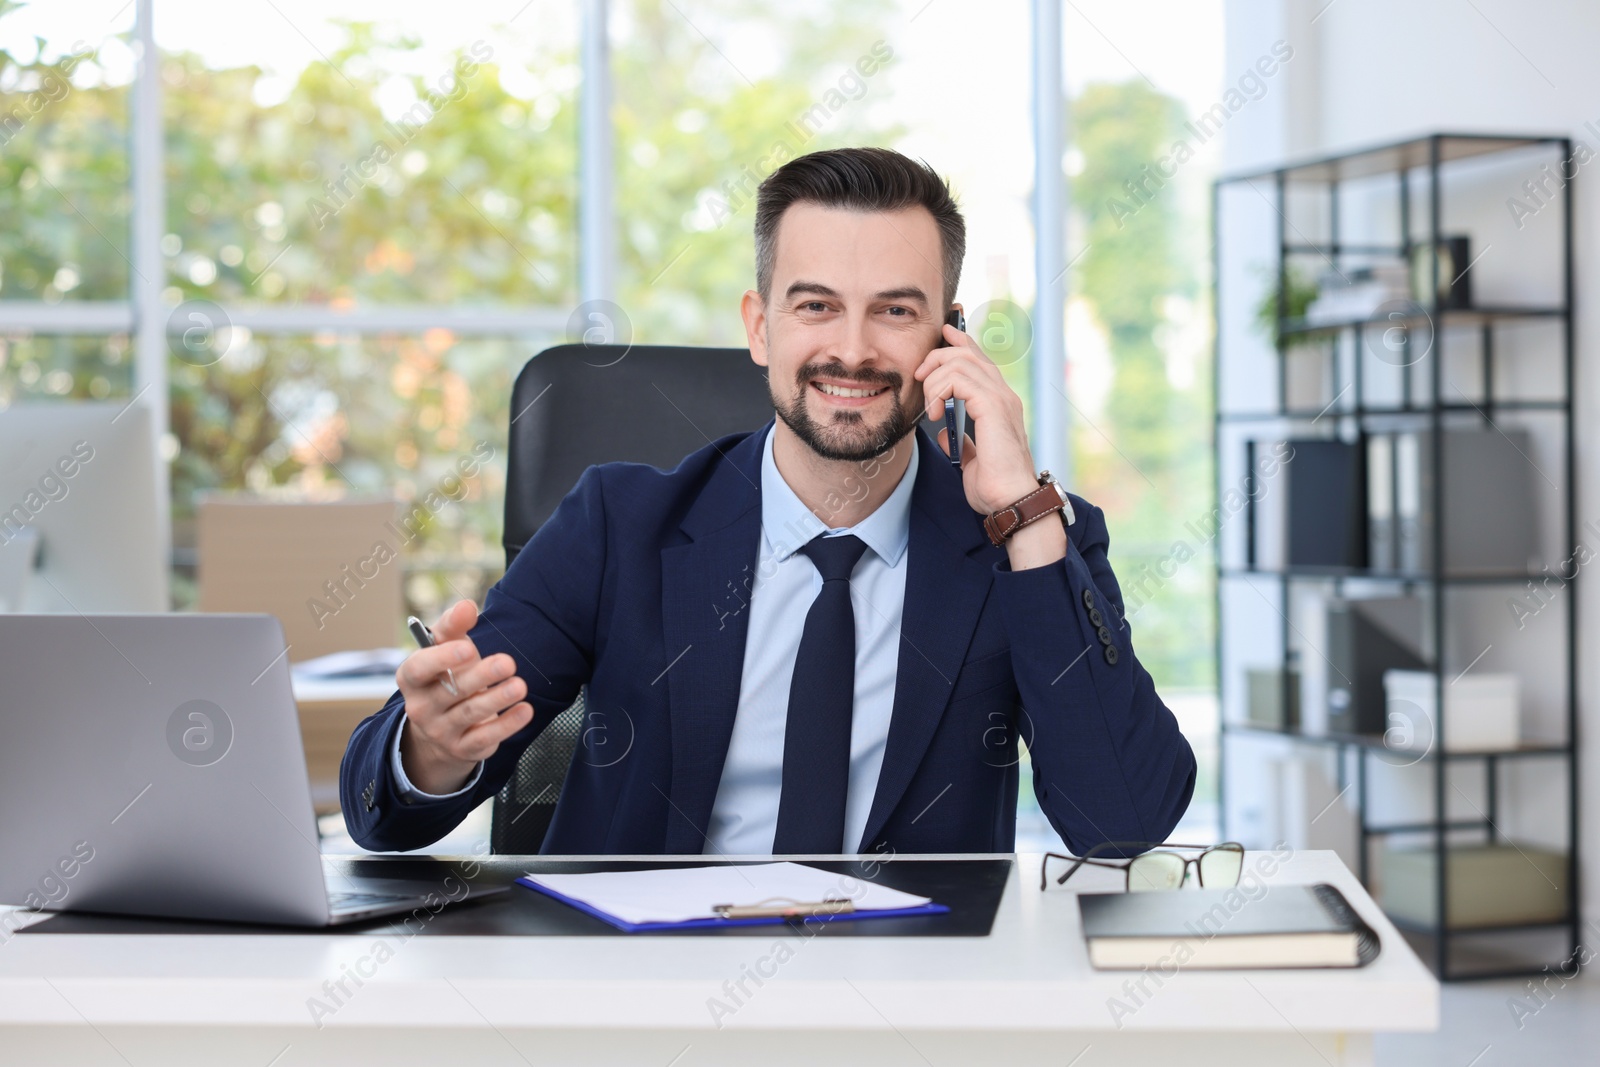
x=1024 y=995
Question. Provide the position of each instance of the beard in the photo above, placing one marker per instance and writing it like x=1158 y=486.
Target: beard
x=846 y=435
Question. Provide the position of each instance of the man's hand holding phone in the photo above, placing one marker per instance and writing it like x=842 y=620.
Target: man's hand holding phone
x=446 y=735
x=997 y=467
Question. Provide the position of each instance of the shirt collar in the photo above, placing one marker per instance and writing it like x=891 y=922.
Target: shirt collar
x=787 y=523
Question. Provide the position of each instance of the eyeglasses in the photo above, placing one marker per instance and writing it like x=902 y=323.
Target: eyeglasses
x=1157 y=867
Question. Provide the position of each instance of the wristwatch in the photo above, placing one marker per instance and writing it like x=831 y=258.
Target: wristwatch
x=1050 y=496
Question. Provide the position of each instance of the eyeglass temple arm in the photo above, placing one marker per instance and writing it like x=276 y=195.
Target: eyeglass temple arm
x=1081 y=860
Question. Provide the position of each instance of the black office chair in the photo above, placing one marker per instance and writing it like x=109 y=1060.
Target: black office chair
x=574 y=406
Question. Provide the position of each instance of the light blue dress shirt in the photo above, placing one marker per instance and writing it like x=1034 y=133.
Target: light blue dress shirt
x=744 y=818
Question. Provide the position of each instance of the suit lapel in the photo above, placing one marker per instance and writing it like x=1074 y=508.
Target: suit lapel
x=705 y=589
x=946 y=587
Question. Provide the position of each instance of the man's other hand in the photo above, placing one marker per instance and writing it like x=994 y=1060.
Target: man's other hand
x=445 y=736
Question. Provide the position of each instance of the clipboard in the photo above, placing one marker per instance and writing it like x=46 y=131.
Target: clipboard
x=766 y=910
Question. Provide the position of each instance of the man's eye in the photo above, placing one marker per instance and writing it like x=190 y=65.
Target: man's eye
x=899 y=312
x=814 y=306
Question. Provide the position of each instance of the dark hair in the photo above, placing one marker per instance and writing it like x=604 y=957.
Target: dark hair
x=859 y=179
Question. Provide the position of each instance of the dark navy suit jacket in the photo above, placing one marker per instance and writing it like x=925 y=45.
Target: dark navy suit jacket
x=636 y=587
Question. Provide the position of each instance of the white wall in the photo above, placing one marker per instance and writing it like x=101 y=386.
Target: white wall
x=1370 y=71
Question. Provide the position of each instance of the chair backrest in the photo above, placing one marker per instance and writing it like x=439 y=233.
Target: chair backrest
x=574 y=406
x=577 y=405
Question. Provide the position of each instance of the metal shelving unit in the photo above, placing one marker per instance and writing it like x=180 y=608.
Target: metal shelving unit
x=1428 y=157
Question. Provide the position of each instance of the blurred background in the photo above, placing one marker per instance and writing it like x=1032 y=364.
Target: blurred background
x=358 y=333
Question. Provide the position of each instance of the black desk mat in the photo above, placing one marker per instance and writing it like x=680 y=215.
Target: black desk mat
x=971 y=889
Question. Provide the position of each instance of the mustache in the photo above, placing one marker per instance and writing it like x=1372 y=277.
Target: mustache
x=866 y=377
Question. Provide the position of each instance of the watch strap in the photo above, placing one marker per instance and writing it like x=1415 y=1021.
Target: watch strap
x=1036 y=505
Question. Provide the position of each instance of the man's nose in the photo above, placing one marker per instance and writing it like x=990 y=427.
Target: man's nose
x=852 y=346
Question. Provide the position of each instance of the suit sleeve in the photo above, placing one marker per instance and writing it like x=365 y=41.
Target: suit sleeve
x=1109 y=761
x=544 y=613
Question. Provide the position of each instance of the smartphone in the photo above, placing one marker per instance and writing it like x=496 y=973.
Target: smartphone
x=955 y=411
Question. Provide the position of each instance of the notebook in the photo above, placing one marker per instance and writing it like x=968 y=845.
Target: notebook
x=1212 y=929
x=676 y=898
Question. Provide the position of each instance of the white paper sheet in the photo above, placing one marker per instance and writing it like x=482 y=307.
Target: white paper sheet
x=682 y=893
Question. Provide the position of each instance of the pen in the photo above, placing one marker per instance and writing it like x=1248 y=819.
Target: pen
x=424 y=638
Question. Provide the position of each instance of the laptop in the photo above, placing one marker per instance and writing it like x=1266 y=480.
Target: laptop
x=152 y=765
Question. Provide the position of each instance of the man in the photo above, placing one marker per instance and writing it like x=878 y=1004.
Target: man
x=866 y=690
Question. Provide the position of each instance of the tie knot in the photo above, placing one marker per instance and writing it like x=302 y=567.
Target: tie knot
x=835 y=557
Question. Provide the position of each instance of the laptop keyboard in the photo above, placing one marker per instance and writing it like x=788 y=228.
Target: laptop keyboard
x=350 y=901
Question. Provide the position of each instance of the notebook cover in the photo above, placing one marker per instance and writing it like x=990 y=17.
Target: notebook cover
x=1208 y=913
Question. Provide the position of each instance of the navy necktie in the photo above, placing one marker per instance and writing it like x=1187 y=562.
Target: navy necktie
x=816 y=736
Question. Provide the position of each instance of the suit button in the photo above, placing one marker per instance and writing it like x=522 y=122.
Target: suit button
x=1111 y=655
x=1104 y=635
x=1095 y=618
x=1088 y=599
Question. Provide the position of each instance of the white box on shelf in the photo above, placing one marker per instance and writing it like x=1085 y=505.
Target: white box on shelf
x=1481 y=711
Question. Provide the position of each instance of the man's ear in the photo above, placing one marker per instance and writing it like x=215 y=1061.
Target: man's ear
x=753 y=310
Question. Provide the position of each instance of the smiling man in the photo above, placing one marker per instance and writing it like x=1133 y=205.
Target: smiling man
x=907 y=623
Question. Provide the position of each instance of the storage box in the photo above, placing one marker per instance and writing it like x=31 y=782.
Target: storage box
x=1487 y=885
x=1481 y=711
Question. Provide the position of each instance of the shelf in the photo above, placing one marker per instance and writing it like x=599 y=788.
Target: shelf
x=1362 y=574
x=1432 y=930
x=1392 y=412
x=1395 y=156
x=1428 y=827
x=1448 y=316
x=1375 y=742
x=1415 y=176
x=1314 y=249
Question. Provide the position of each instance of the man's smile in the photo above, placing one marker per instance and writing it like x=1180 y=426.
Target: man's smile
x=847 y=395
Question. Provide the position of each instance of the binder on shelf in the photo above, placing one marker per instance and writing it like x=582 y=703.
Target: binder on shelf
x=1490 y=521
x=1381 y=533
x=726 y=894
x=1411 y=546
x=1366 y=639
x=1327 y=505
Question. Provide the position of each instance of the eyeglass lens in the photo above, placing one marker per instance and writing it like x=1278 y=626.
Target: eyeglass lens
x=1219 y=868
x=1155 y=870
